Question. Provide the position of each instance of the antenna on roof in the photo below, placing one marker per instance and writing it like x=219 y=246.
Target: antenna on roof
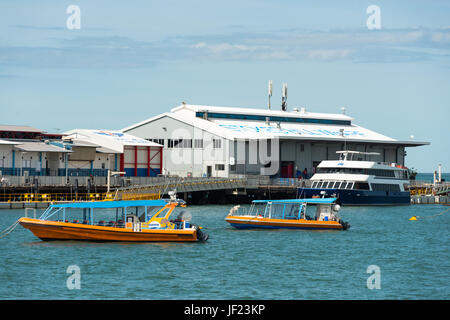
x=270 y=91
x=343 y=110
x=284 y=98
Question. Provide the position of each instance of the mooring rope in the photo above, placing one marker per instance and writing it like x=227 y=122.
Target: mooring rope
x=432 y=216
x=8 y=230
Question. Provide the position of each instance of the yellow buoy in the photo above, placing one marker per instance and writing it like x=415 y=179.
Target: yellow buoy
x=413 y=218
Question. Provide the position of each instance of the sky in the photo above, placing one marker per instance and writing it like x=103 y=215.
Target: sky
x=131 y=60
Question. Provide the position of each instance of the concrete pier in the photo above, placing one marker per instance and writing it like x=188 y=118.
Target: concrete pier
x=430 y=199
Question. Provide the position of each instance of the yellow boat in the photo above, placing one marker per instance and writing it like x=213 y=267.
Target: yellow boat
x=290 y=214
x=137 y=220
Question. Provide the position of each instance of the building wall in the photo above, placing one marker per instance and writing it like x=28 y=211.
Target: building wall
x=98 y=165
x=16 y=162
x=243 y=157
x=6 y=156
x=187 y=158
x=142 y=161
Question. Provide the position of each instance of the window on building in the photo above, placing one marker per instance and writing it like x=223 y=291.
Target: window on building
x=217 y=143
x=157 y=140
x=179 y=143
x=26 y=163
x=220 y=167
x=187 y=143
x=198 y=143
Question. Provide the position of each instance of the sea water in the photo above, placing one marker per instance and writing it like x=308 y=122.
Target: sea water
x=383 y=255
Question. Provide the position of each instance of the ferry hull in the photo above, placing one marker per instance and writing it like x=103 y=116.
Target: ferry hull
x=246 y=222
x=358 y=197
x=53 y=230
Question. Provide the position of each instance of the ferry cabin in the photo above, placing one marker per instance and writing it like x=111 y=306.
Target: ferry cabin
x=360 y=182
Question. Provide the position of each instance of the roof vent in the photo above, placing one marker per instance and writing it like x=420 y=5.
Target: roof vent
x=284 y=98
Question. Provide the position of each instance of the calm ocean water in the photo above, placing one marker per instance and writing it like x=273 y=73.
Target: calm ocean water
x=412 y=256
x=428 y=177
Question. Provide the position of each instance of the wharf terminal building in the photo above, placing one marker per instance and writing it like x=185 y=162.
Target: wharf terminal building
x=29 y=152
x=211 y=141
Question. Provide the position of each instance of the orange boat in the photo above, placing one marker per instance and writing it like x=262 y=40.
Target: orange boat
x=137 y=220
x=288 y=214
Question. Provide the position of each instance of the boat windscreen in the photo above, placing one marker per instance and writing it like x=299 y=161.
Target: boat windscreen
x=284 y=210
x=258 y=209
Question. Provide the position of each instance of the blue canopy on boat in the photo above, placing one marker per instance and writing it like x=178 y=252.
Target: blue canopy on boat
x=112 y=204
x=309 y=200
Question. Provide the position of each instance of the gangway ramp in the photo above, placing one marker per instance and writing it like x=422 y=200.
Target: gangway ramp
x=181 y=185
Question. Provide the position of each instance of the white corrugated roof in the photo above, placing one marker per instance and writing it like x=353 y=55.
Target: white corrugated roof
x=7 y=127
x=40 y=147
x=257 y=129
x=263 y=112
x=9 y=142
x=109 y=139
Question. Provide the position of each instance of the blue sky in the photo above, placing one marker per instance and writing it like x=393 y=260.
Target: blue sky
x=132 y=60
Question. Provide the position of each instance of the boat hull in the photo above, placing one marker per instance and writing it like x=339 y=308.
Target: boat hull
x=358 y=197
x=247 y=222
x=54 y=230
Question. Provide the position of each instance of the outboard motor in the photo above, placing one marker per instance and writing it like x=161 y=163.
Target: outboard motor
x=201 y=236
x=345 y=225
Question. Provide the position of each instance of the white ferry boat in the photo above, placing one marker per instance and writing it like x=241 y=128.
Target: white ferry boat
x=356 y=182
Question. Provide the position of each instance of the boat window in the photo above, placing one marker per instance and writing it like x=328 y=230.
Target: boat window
x=362 y=186
x=314 y=184
x=277 y=210
x=382 y=173
x=385 y=187
x=259 y=209
x=349 y=185
x=291 y=211
x=163 y=213
x=338 y=185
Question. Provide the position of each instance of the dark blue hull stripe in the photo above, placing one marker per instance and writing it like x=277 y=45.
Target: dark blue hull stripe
x=253 y=226
x=358 y=197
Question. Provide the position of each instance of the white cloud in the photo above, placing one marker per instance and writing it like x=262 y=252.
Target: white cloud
x=359 y=45
x=223 y=47
x=329 y=54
